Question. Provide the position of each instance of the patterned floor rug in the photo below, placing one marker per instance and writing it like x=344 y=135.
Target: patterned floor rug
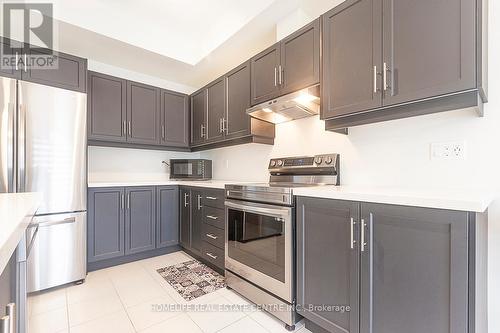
x=192 y=279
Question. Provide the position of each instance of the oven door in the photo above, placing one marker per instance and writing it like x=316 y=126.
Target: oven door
x=259 y=245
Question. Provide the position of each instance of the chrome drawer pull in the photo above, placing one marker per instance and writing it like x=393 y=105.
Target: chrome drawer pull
x=211 y=255
x=211 y=236
x=212 y=217
x=211 y=198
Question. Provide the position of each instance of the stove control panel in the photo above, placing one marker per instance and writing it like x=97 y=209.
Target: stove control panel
x=317 y=161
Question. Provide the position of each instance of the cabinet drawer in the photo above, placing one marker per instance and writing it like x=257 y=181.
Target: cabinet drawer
x=214 y=217
x=214 y=198
x=213 y=235
x=213 y=254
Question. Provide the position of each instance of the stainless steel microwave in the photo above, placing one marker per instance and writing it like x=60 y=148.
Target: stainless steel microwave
x=196 y=169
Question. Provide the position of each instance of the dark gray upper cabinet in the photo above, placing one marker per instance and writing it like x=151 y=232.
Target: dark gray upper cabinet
x=325 y=227
x=199 y=117
x=264 y=74
x=107 y=107
x=174 y=120
x=428 y=48
x=300 y=59
x=352 y=56
x=409 y=58
x=216 y=109
x=140 y=224
x=106 y=223
x=167 y=216
x=185 y=217
x=70 y=72
x=237 y=122
x=10 y=52
x=414 y=270
x=143 y=110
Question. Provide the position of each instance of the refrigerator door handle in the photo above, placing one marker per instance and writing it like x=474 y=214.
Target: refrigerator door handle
x=11 y=164
x=51 y=223
x=21 y=150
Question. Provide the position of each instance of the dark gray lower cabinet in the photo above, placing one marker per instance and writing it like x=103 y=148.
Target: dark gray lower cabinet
x=398 y=268
x=167 y=216
x=124 y=221
x=106 y=223
x=196 y=220
x=185 y=217
x=140 y=219
x=328 y=263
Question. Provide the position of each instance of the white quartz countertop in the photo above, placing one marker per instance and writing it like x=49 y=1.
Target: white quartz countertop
x=462 y=200
x=16 y=210
x=220 y=184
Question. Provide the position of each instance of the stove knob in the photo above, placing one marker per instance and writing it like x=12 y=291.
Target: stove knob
x=329 y=160
x=319 y=160
x=273 y=163
x=280 y=162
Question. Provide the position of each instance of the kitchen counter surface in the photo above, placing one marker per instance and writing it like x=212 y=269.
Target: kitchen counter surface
x=462 y=200
x=16 y=210
x=208 y=183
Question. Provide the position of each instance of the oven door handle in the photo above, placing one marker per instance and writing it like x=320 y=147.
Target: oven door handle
x=281 y=211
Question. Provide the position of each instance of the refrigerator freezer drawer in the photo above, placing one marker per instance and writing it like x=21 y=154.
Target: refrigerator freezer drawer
x=59 y=252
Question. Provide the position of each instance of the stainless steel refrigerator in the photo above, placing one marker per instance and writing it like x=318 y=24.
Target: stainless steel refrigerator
x=43 y=149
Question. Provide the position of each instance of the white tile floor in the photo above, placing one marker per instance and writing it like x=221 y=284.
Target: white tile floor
x=121 y=299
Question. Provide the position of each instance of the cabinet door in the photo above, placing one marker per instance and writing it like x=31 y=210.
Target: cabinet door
x=143 y=110
x=325 y=227
x=140 y=219
x=238 y=101
x=10 y=52
x=264 y=74
x=174 y=119
x=106 y=223
x=185 y=217
x=300 y=59
x=70 y=72
x=167 y=216
x=199 y=117
x=216 y=109
x=414 y=270
x=196 y=220
x=429 y=48
x=107 y=108
x=352 y=57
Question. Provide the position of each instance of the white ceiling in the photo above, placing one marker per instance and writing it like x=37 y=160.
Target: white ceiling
x=184 y=30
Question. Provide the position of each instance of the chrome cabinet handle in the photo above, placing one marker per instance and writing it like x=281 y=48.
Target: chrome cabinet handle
x=384 y=75
x=185 y=199
x=25 y=63
x=211 y=255
x=199 y=202
x=352 y=233
x=17 y=61
x=375 y=79
x=275 y=77
x=212 y=217
x=211 y=236
x=123 y=202
x=202 y=130
x=5 y=324
x=224 y=125
x=363 y=243
x=128 y=201
x=211 y=198
x=220 y=126
x=280 y=71
x=129 y=128
x=163 y=131
x=10 y=311
x=124 y=127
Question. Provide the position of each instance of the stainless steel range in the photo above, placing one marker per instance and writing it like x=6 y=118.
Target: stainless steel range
x=260 y=231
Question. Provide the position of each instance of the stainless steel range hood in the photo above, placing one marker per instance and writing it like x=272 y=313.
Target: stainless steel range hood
x=297 y=105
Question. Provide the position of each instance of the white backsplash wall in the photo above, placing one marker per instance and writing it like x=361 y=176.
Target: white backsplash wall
x=122 y=164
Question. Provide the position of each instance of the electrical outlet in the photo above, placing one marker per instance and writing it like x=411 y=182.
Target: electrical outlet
x=448 y=151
